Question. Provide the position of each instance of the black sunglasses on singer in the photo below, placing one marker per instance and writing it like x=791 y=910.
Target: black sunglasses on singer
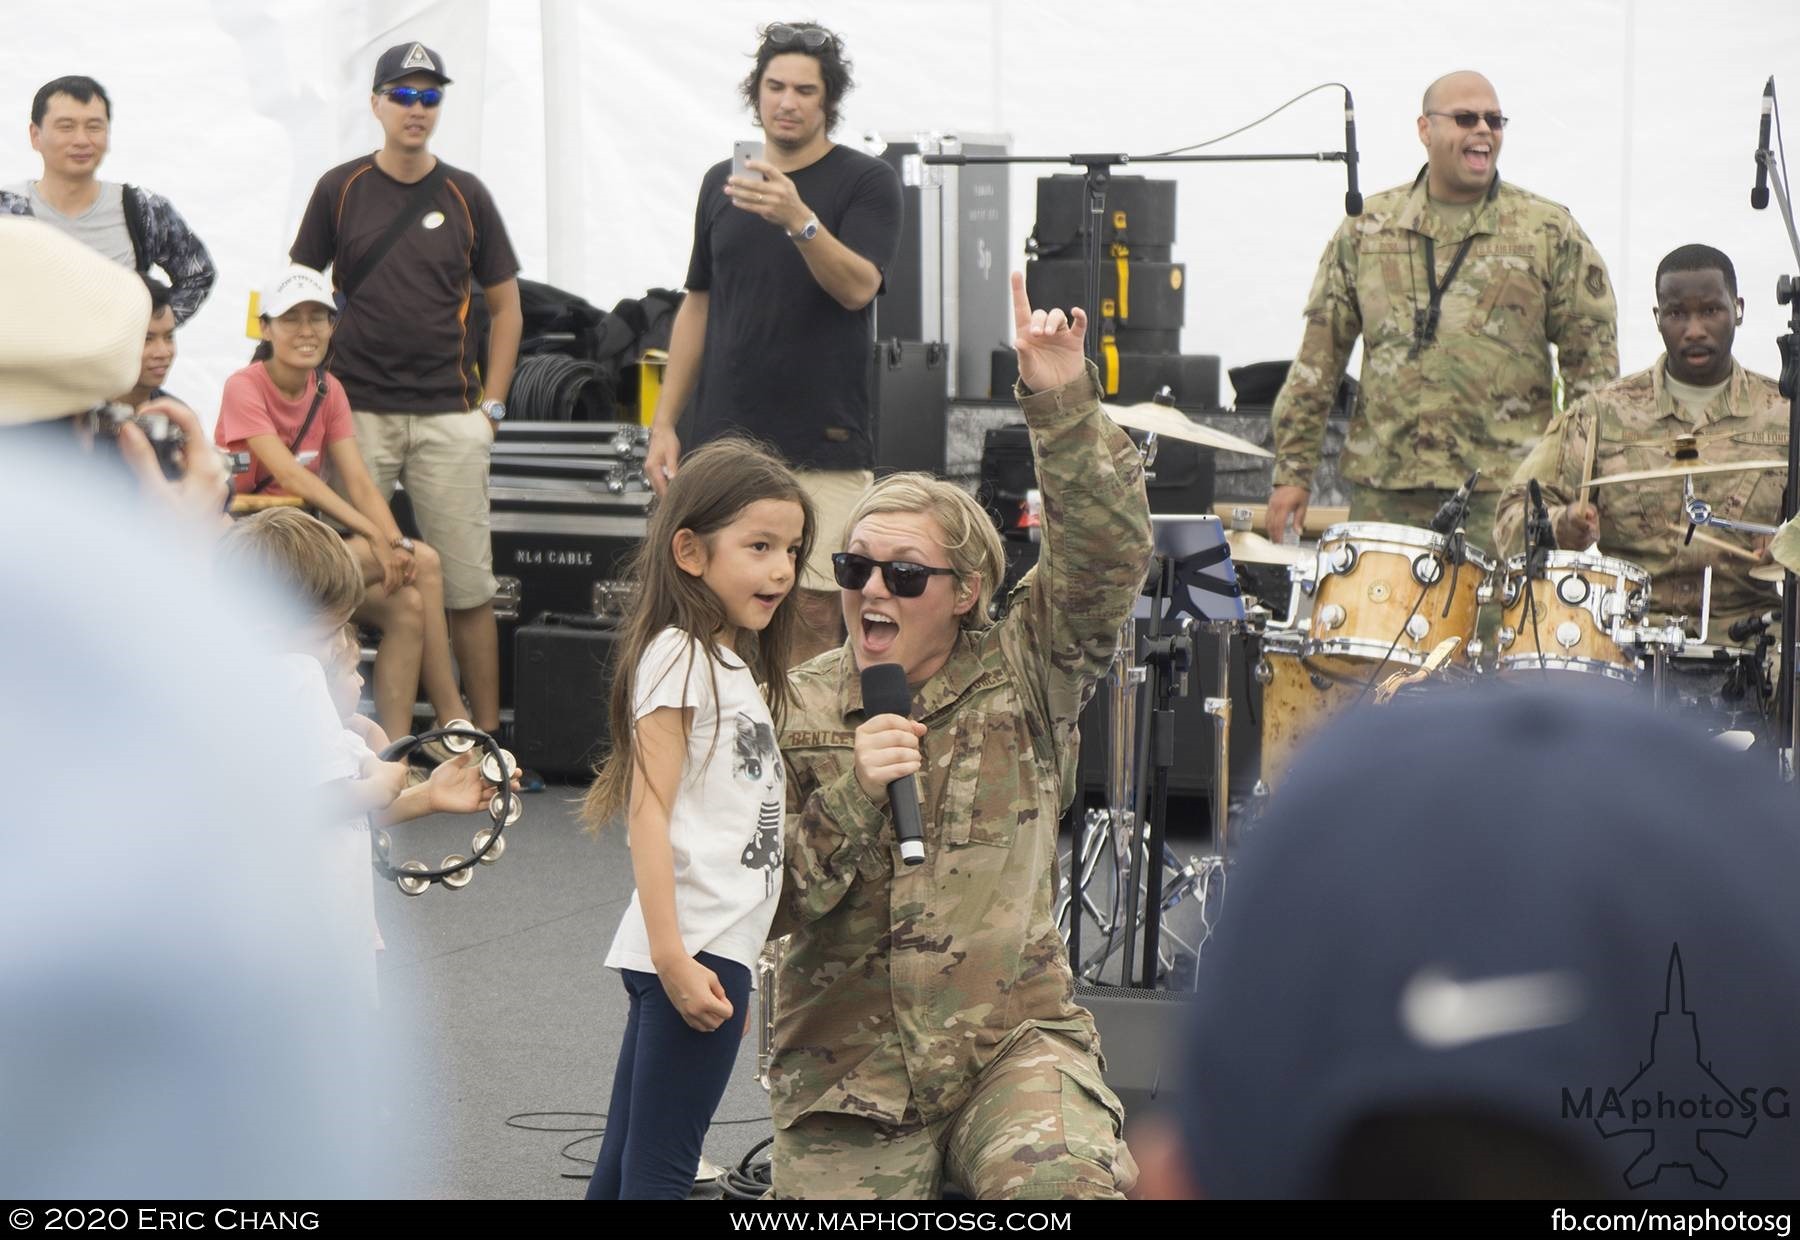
x=903 y=578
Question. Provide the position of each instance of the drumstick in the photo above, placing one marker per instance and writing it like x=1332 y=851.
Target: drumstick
x=1587 y=469
x=1720 y=543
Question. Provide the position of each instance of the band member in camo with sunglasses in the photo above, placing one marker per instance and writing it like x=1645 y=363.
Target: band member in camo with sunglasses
x=1457 y=284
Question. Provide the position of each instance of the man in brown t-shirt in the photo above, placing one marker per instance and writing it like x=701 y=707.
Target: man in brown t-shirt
x=425 y=412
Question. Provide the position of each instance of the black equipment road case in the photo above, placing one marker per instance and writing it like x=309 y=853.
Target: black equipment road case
x=948 y=281
x=911 y=401
x=1153 y=292
x=1140 y=215
x=563 y=669
x=558 y=557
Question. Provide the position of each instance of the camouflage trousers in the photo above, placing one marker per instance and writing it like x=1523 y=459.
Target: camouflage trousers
x=1416 y=507
x=1041 y=1125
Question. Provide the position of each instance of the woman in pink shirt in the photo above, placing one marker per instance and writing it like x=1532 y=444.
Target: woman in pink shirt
x=294 y=418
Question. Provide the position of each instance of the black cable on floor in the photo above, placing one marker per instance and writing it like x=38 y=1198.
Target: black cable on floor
x=747 y=1181
x=590 y=1133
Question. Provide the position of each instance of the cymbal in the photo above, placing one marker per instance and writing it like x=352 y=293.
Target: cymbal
x=1768 y=572
x=1682 y=471
x=1170 y=421
x=1249 y=547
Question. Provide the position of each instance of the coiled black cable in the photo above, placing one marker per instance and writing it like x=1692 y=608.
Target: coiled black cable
x=553 y=387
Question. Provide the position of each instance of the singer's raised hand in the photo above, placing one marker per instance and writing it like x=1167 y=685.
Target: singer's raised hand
x=887 y=748
x=1049 y=342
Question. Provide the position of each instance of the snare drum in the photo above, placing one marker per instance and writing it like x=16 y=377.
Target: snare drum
x=1296 y=701
x=1391 y=593
x=1568 y=621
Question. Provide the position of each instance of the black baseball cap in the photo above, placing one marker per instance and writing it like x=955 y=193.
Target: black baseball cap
x=406 y=58
x=1553 y=912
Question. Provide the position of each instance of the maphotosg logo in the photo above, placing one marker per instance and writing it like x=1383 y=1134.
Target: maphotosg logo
x=1679 y=1109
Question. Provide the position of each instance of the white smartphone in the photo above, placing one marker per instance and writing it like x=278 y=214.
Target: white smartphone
x=741 y=155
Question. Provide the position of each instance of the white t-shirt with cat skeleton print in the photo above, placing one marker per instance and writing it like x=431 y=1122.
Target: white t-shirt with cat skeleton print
x=725 y=825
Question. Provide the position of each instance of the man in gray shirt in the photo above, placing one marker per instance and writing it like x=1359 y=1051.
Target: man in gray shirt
x=71 y=126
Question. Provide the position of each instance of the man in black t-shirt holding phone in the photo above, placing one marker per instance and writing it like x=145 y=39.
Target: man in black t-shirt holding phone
x=774 y=336
x=408 y=238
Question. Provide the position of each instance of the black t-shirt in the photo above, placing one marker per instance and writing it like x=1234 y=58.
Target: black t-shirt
x=784 y=361
x=404 y=344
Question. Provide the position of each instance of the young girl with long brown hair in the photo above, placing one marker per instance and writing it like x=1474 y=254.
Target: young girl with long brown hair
x=698 y=693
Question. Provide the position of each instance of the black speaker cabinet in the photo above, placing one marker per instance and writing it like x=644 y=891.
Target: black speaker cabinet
x=1192 y=774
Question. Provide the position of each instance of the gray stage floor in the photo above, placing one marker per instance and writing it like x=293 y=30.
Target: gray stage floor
x=510 y=1010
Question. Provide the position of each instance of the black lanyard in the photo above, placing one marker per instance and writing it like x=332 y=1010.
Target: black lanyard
x=1425 y=321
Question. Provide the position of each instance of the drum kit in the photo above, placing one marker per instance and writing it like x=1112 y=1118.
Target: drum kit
x=1377 y=611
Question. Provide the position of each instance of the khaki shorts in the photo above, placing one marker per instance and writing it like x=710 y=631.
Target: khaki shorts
x=834 y=494
x=442 y=460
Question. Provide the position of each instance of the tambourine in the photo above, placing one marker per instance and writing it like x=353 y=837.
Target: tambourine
x=455 y=871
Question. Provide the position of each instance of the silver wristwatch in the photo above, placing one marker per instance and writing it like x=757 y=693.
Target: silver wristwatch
x=806 y=231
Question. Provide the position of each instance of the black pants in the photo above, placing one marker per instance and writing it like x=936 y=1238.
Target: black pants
x=667 y=1085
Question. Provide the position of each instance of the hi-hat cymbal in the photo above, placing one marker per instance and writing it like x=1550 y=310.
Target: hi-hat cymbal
x=1170 y=421
x=1249 y=547
x=1682 y=471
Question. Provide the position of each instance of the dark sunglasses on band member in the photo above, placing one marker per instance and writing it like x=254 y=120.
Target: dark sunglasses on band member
x=1466 y=120
x=406 y=96
x=904 y=579
x=812 y=38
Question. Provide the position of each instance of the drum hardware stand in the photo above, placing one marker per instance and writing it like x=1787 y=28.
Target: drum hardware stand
x=1787 y=293
x=1094 y=840
x=1163 y=662
x=1699 y=513
x=1663 y=644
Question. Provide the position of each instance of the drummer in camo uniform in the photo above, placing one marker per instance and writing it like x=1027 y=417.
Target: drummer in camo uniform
x=1459 y=380
x=926 y=1029
x=1695 y=389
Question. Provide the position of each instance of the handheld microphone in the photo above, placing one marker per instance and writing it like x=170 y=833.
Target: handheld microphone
x=1759 y=196
x=1752 y=624
x=1353 y=196
x=1452 y=512
x=885 y=692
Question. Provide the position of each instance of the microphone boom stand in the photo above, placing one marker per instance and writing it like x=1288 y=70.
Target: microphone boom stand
x=1097 y=174
x=1787 y=293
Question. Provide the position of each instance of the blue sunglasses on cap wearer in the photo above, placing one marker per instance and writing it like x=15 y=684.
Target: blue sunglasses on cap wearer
x=406 y=96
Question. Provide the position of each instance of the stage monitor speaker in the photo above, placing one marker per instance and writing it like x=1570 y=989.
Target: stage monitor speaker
x=1141 y=1034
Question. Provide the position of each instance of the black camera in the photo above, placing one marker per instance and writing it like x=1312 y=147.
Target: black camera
x=166 y=439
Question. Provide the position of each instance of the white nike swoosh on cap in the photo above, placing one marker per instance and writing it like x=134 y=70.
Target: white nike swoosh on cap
x=1441 y=1013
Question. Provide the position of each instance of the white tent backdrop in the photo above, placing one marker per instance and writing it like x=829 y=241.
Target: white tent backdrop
x=592 y=124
